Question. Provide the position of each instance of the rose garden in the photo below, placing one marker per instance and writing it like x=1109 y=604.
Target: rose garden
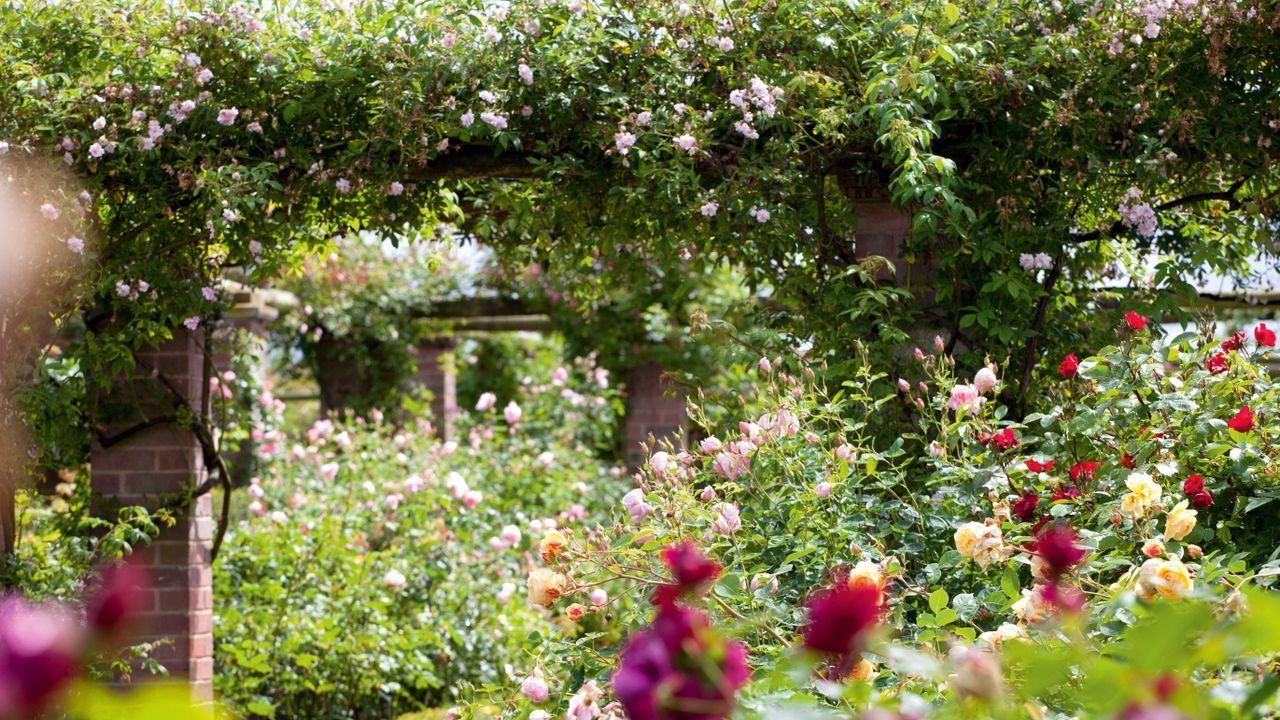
x=638 y=359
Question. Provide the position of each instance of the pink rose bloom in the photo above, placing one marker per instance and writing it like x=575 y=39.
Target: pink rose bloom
x=708 y=494
x=329 y=471
x=822 y=489
x=512 y=412
x=765 y=366
x=731 y=466
x=257 y=509
x=660 y=463
x=510 y=535
x=812 y=438
x=599 y=597
x=535 y=688
x=727 y=521
x=985 y=380
x=472 y=498
x=227 y=116
x=710 y=445
x=964 y=396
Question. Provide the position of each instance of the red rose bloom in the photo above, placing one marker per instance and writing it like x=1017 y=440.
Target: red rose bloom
x=1264 y=336
x=1005 y=439
x=1066 y=492
x=1135 y=321
x=1192 y=485
x=1025 y=506
x=1243 y=421
x=1070 y=364
x=1216 y=363
x=1087 y=470
x=1202 y=499
x=1235 y=342
x=1035 y=466
x=1126 y=460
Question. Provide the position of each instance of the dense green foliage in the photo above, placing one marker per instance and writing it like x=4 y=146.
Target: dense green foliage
x=1131 y=138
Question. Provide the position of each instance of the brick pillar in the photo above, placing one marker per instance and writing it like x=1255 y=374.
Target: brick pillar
x=435 y=372
x=163 y=461
x=654 y=407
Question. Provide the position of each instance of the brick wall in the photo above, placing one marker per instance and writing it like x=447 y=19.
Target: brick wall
x=654 y=407
x=164 y=460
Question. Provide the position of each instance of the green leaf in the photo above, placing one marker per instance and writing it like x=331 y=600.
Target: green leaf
x=938 y=599
x=951 y=13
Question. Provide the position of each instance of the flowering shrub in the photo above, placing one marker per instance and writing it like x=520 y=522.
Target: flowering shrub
x=1003 y=562
x=375 y=569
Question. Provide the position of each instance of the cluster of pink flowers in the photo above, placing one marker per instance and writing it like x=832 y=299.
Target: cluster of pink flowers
x=1137 y=214
x=1039 y=261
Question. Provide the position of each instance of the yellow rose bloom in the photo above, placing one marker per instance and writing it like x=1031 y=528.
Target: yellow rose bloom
x=545 y=586
x=1179 y=522
x=552 y=544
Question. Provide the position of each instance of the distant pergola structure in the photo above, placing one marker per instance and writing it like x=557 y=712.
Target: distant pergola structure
x=655 y=404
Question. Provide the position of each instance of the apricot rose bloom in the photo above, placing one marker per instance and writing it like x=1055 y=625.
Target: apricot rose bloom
x=863 y=671
x=545 y=586
x=1168 y=579
x=982 y=543
x=867 y=574
x=1179 y=522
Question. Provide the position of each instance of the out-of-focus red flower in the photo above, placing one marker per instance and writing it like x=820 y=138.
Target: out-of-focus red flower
x=839 y=619
x=679 y=669
x=1059 y=547
x=1126 y=460
x=690 y=570
x=119 y=597
x=1202 y=499
x=1216 y=363
x=39 y=655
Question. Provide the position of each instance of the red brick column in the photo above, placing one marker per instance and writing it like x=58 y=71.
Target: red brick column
x=158 y=461
x=435 y=372
x=655 y=407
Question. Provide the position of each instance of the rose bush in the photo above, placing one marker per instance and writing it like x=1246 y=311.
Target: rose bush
x=1106 y=556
